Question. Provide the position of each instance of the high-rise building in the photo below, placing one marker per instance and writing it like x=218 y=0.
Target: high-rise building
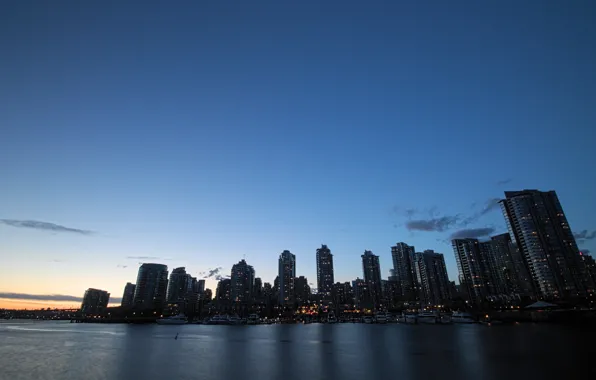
x=95 y=301
x=509 y=272
x=372 y=276
x=536 y=221
x=471 y=273
x=431 y=274
x=150 y=290
x=362 y=294
x=325 y=278
x=287 y=273
x=403 y=266
x=242 y=282
x=343 y=294
x=301 y=290
x=223 y=290
x=177 y=286
x=268 y=295
x=128 y=296
x=590 y=265
x=207 y=295
x=200 y=286
x=258 y=289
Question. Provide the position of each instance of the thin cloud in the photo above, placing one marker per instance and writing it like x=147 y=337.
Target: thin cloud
x=220 y=277
x=121 y=266
x=473 y=233
x=585 y=251
x=441 y=224
x=504 y=181
x=585 y=235
x=44 y=226
x=142 y=257
x=211 y=273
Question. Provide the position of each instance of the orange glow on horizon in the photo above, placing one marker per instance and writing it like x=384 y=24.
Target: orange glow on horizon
x=20 y=304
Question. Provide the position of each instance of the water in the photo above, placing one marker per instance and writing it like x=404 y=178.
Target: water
x=59 y=350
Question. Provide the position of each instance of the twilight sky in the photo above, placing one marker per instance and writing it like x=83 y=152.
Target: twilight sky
x=192 y=133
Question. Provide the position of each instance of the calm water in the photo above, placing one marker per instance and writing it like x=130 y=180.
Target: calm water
x=58 y=350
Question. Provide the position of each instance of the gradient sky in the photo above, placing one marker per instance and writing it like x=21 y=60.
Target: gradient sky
x=197 y=132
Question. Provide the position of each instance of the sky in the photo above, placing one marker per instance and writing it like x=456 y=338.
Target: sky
x=199 y=133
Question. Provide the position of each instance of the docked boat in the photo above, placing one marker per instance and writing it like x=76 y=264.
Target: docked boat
x=331 y=318
x=219 y=320
x=253 y=319
x=460 y=317
x=445 y=319
x=427 y=317
x=235 y=320
x=381 y=318
x=179 y=319
x=367 y=319
x=400 y=318
x=411 y=318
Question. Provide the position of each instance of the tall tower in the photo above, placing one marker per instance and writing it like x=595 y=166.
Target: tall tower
x=404 y=271
x=287 y=273
x=242 y=277
x=432 y=276
x=128 y=295
x=325 y=278
x=372 y=276
x=177 y=286
x=471 y=273
x=536 y=221
x=150 y=290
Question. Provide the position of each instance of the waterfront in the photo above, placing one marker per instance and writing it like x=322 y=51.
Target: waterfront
x=59 y=350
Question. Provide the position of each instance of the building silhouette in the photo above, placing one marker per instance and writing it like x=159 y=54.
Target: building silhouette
x=151 y=287
x=509 y=271
x=301 y=290
x=538 y=225
x=128 y=295
x=242 y=281
x=404 y=271
x=431 y=275
x=471 y=272
x=178 y=286
x=325 y=278
x=223 y=290
x=287 y=273
x=95 y=301
x=372 y=276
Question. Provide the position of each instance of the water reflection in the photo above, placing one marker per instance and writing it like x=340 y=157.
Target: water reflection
x=292 y=352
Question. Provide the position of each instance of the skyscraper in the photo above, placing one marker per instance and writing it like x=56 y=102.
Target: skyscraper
x=432 y=276
x=177 y=286
x=257 y=290
x=128 y=295
x=301 y=290
x=95 y=301
x=509 y=272
x=536 y=221
x=471 y=278
x=223 y=290
x=242 y=282
x=372 y=276
x=150 y=290
x=325 y=278
x=287 y=273
x=200 y=286
x=403 y=266
x=362 y=294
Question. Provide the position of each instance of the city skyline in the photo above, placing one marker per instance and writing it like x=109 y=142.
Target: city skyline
x=196 y=136
x=480 y=249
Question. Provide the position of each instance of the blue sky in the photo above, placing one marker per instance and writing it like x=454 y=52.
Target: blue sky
x=200 y=132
